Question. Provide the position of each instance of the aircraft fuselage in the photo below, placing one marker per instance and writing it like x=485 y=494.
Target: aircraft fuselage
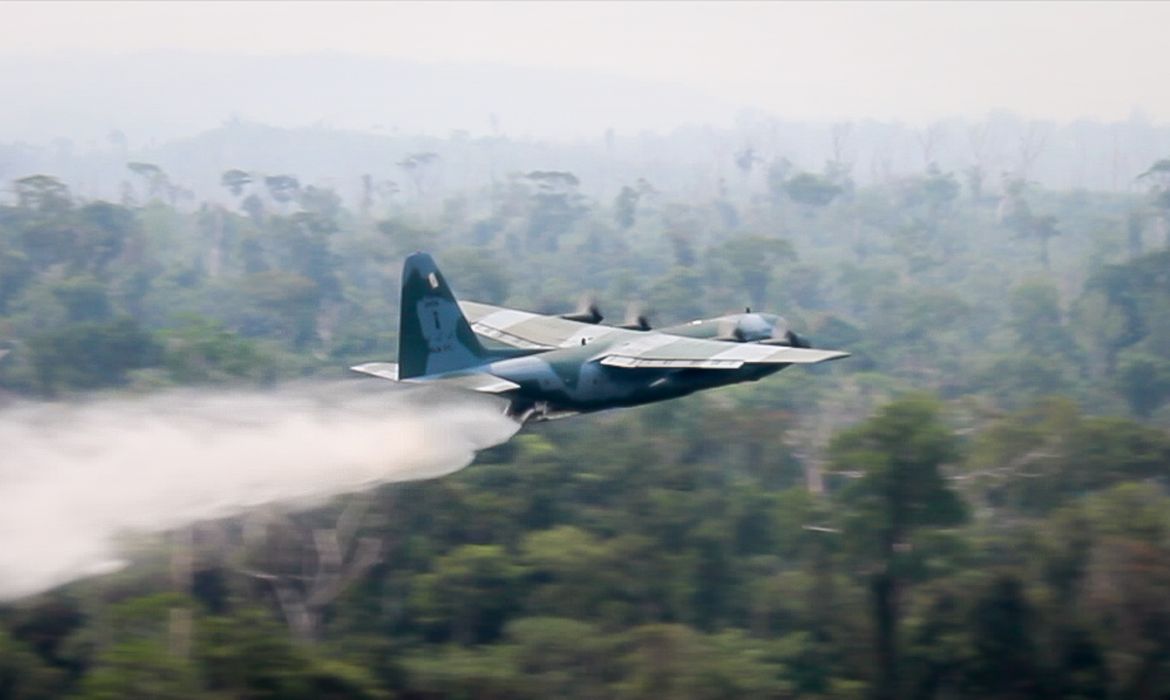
x=549 y=367
x=571 y=380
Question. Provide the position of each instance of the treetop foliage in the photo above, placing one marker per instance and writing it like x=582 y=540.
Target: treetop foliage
x=972 y=505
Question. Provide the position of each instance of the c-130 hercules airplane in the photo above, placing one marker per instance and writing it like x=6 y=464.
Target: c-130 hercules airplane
x=557 y=366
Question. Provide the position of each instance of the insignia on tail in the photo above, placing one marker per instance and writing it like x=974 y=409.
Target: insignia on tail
x=433 y=335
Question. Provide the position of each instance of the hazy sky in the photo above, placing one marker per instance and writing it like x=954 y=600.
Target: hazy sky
x=912 y=61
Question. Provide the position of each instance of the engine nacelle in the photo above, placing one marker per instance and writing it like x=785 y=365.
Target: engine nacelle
x=765 y=329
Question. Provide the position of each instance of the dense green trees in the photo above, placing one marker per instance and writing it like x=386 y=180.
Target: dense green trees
x=90 y=355
x=823 y=534
x=900 y=489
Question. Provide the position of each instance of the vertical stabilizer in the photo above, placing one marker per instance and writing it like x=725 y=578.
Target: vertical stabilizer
x=433 y=334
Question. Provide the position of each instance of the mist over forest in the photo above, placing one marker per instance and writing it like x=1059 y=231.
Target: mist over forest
x=327 y=117
x=973 y=505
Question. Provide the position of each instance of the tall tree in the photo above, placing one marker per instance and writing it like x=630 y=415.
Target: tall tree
x=157 y=182
x=235 y=180
x=42 y=193
x=625 y=207
x=1157 y=178
x=418 y=166
x=899 y=454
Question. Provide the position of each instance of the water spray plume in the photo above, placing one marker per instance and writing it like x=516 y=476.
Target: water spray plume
x=74 y=477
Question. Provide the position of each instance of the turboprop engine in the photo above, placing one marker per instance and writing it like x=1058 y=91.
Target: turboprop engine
x=766 y=329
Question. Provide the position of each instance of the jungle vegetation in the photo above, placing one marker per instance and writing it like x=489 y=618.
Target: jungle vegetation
x=974 y=505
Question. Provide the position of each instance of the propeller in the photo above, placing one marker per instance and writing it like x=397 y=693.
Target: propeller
x=781 y=333
x=785 y=336
x=729 y=330
x=587 y=312
x=764 y=329
x=636 y=319
x=798 y=341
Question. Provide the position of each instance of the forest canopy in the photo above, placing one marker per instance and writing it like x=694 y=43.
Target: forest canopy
x=973 y=505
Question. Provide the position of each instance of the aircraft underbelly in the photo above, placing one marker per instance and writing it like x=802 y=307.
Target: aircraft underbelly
x=592 y=387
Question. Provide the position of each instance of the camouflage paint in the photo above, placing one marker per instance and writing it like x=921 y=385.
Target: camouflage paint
x=559 y=367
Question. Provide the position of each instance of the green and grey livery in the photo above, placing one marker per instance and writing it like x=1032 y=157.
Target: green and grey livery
x=554 y=367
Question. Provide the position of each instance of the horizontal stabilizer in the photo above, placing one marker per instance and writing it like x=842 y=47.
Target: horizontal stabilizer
x=470 y=381
x=474 y=381
x=385 y=370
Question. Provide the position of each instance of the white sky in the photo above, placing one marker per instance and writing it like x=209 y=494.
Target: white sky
x=913 y=61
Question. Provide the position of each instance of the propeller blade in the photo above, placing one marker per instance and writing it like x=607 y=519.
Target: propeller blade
x=780 y=329
x=587 y=312
x=730 y=331
x=635 y=320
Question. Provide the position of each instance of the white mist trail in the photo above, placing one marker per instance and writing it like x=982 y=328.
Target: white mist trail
x=74 y=477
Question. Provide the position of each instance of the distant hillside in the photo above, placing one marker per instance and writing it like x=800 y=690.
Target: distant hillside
x=329 y=119
x=161 y=95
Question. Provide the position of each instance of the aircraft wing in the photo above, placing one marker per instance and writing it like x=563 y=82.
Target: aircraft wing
x=662 y=351
x=529 y=331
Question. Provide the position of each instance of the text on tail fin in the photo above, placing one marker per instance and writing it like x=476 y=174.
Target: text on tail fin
x=433 y=335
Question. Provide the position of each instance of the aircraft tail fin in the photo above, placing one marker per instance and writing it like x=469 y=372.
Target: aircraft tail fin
x=433 y=334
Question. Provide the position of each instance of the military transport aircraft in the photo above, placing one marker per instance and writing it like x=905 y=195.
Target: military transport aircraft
x=556 y=366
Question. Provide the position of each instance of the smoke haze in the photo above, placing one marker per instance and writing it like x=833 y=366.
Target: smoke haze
x=73 y=478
